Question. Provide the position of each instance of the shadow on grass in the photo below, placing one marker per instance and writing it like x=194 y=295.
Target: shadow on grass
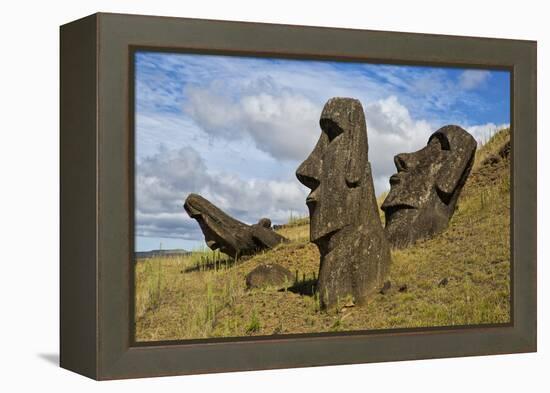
x=304 y=287
x=212 y=265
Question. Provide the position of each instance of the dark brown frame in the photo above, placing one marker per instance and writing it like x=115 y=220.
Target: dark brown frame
x=97 y=196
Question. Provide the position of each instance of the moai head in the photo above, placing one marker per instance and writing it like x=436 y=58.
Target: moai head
x=427 y=184
x=344 y=219
x=219 y=229
x=336 y=167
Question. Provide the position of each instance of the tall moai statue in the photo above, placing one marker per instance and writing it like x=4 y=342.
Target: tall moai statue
x=426 y=187
x=344 y=220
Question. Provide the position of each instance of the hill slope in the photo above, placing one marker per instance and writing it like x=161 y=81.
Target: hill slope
x=459 y=277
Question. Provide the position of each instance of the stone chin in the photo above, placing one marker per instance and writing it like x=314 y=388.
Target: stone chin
x=407 y=222
x=399 y=222
x=320 y=230
x=211 y=235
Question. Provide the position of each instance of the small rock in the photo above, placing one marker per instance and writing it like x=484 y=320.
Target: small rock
x=265 y=222
x=504 y=151
x=443 y=282
x=269 y=275
x=385 y=288
x=491 y=160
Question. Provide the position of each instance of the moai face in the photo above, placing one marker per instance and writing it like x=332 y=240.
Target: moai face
x=218 y=228
x=335 y=168
x=427 y=184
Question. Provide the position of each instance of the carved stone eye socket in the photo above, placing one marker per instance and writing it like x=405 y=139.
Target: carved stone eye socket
x=441 y=140
x=331 y=129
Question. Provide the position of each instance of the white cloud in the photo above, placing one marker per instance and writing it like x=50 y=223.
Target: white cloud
x=471 y=79
x=392 y=130
x=280 y=122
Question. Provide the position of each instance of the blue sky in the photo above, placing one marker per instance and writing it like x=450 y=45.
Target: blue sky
x=234 y=129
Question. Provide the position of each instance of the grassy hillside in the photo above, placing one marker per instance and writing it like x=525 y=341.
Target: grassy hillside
x=459 y=277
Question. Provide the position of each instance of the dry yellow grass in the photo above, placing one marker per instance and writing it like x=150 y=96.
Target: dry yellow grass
x=191 y=297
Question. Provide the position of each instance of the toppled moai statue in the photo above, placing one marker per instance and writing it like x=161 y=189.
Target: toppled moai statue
x=344 y=220
x=227 y=234
x=425 y=189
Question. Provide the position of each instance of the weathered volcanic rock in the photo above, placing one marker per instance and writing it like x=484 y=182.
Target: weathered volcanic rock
x=492 y=159
x=426 y=187
x=269 y=275
x=264 y=222
x=504 y=151
x=385 y=288
x=227 y=234
x=344 y=220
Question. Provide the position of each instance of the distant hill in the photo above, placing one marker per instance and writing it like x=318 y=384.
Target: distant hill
x=162 y=253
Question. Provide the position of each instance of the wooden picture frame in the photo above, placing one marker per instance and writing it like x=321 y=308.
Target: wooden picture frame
x=96 y=141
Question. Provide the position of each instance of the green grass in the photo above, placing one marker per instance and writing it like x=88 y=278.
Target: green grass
x=297 y=220
x=254 y=324
x=203 y=295
x=491 y=145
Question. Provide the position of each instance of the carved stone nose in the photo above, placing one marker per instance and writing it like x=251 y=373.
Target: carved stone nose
x=402 y=162
x=306 y=175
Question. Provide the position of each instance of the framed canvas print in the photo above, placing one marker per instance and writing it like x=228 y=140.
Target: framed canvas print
x=241 y=196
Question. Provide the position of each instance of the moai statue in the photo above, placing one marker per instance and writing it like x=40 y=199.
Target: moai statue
x=344 y=220
x=230 y=236
x=425 y=189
